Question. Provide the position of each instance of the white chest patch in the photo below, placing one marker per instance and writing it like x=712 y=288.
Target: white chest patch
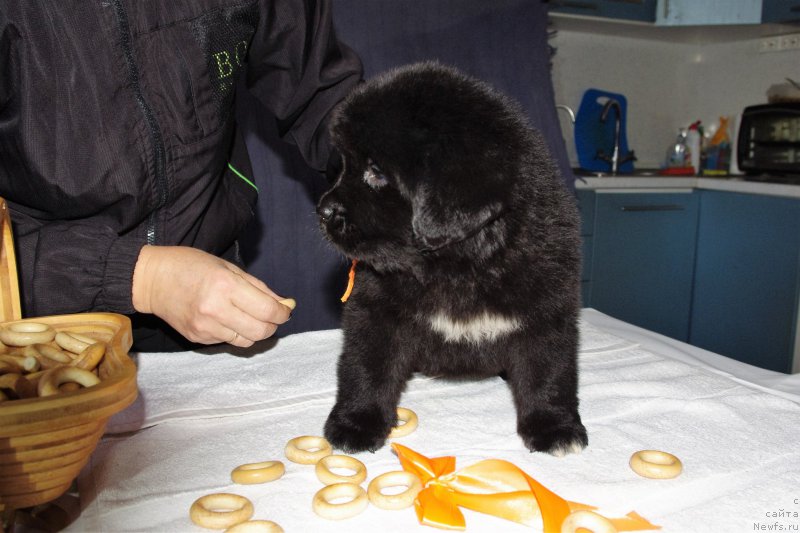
x=480 y=328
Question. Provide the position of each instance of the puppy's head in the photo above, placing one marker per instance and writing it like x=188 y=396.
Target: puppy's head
x=428 y=157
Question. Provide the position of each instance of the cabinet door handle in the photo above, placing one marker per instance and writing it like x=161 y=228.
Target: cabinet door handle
x=665 y=207
x=575 y=4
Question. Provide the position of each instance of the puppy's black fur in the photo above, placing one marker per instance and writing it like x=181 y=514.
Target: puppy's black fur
x=468 y=255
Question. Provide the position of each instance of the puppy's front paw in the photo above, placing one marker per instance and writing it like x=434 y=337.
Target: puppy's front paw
x=551 y=436
x=356 y=431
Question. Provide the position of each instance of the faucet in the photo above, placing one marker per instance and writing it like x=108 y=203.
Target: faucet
x=614 y=159
x=568 y=110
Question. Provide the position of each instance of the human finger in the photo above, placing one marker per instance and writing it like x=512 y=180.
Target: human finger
x=245 y=335
x=260 y=285
x=288 y=302
x=251 y=312
x=242 y=341
x=247 y=326
x=256 y=330
x=263 y=306
x=252 y=280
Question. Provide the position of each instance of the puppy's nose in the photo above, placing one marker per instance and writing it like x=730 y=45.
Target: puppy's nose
x=328 y=210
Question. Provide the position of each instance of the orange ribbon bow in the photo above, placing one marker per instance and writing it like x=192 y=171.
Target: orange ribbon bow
x=494 y=487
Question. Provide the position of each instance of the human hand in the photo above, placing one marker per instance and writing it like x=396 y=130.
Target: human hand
x=205 y=298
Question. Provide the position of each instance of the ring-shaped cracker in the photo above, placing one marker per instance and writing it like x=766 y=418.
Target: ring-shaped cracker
x=15 y=360
x=329 y=477
x=45 y=363
x=323 y=506
x=252 y=473
x=52 y=353
x=91 y=356
x=656 y=464
x=18 y=384
x=587 y=520
x=410 y=423
x=307 y=449
x=26 y=333
x=401 y=500
x=256 y=526
x=73 y=342
x=31 y=364
x=221 y=510
x=9 y=366
x=55 y=377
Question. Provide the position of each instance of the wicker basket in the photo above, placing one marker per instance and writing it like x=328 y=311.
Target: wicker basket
x=44 y=442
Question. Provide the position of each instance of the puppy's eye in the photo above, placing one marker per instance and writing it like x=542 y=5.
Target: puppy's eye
x=374 y=176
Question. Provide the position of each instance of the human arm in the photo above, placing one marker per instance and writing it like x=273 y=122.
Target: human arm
x=205 y=298
x=72 y=266
x=299 y=71
x=82 y=177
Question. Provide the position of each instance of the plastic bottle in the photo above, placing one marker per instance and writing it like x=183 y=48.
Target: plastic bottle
x=718 y=151
x=693 y=143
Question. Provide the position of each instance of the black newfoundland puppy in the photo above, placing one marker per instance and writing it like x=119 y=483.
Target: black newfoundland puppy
x=468 y=255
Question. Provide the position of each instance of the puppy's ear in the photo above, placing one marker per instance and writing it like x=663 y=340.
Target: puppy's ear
x=443 y=217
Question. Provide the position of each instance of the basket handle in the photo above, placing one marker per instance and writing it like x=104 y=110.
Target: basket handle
x=10 y=308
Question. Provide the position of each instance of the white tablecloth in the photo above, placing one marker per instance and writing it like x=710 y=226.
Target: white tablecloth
x=200 y=414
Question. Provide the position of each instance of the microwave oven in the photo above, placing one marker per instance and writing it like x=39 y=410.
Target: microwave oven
x=769 y=140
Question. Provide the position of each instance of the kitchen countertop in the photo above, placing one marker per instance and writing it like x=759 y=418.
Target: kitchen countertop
x=649 y=183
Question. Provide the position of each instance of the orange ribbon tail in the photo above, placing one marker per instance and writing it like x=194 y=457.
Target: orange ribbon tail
x=633 y=521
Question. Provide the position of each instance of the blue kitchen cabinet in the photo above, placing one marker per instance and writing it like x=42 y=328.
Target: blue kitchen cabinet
x=780 y=11
x=586 y=200
x=640 y=10
x=746 y=278
x=707 y=12
x=680 y=12
x=643 y=258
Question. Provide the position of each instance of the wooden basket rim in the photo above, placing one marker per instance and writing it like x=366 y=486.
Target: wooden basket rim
x=120 y=384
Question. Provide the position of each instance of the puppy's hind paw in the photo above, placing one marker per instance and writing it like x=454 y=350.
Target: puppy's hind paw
x=356 y=432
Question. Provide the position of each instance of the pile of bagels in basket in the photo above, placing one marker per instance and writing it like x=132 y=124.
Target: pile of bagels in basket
x=342 y=495
x=36 y=360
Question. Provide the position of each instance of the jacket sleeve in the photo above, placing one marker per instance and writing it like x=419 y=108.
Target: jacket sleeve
x=64 y=266
x=300 y=71
x=60 y=281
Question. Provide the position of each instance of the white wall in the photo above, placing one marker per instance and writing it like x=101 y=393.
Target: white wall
x=667 y=84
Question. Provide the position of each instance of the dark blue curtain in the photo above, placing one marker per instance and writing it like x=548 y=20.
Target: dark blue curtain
x=501 y=41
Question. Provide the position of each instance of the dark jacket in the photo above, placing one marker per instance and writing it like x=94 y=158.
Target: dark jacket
x=117 y=129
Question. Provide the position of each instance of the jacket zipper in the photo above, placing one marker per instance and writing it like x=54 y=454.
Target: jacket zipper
x=155 y=132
